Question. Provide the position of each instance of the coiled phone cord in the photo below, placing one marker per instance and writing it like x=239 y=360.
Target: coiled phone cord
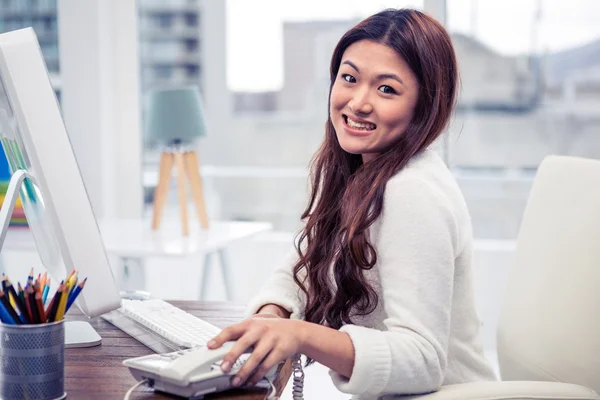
x=298 y=378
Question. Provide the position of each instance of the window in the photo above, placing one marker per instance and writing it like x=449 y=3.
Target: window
x=520 y=100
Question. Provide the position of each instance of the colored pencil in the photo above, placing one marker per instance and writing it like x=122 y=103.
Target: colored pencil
x=31 y=295
x=49 y=309
x=62 y=306
x=43 y=281
x=74 y=294
x=30 y=277
x=27 y=305
x=46 y=290
x=24 y=302
x=40 y=307
x=27 y=302
x=20 y=290
x=5 y=316
x=55 y=301
x=9 y=308
x=19 y=301
x=12 y=295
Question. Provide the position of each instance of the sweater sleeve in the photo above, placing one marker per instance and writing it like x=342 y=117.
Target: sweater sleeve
x=281 y=289
x=416 y=247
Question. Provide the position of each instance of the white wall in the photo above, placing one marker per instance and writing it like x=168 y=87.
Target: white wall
x=217 y=98
x=99 y=64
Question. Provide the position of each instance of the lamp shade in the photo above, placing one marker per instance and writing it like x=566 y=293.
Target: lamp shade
x=175 y=115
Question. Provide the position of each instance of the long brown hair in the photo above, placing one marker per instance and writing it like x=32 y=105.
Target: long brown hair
x=347 y=195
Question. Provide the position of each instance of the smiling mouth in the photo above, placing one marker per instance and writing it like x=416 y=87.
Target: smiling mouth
x=361 y=126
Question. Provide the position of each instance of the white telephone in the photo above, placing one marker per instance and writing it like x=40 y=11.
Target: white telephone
x=189 y=373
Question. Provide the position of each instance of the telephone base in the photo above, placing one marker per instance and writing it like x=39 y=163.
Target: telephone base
x=195 y=390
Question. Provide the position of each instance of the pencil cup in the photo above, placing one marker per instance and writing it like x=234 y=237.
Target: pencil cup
x=32 y=361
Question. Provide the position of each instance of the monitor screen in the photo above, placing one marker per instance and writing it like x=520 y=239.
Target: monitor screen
x=57 y=207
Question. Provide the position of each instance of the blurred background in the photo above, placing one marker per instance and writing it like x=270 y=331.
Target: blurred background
x=530 y=87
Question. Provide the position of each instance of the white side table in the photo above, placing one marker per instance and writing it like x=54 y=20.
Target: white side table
x=133 y=240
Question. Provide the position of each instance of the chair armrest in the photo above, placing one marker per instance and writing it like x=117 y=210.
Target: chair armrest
x=508 y=390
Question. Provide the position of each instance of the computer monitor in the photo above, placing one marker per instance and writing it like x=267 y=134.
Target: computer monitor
x=57 y=207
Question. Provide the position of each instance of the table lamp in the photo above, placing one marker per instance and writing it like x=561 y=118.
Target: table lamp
x=176 y=120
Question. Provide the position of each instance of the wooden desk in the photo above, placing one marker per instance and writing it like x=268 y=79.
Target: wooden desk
x=98 y=372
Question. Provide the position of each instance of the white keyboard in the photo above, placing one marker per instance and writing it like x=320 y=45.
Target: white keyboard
x=173 y=324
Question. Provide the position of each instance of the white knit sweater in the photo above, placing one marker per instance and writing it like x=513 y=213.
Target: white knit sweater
x=424 y=331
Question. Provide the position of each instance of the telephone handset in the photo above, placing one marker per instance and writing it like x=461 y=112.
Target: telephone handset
x=190 y=373
x=195 y=364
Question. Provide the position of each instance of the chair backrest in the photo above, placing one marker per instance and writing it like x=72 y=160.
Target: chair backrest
x=549 y=327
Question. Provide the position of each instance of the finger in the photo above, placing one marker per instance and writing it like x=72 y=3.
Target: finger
x=269 y=362
x=258 y=354
x=232 y=332
x=239 y=348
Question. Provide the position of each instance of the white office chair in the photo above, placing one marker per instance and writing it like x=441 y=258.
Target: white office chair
x=549 y=328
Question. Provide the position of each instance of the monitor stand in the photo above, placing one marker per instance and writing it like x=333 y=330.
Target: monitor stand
x=80 y=334
x=77 y=333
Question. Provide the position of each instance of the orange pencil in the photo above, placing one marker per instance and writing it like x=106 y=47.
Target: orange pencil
x=36 y=287
x=43 y=281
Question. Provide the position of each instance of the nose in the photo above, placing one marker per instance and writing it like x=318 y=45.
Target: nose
x=360 y=103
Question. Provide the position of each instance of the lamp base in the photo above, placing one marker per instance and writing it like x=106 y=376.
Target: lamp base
x=187 y=167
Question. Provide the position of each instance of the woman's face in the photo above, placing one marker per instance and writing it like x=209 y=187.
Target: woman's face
x=372 y=99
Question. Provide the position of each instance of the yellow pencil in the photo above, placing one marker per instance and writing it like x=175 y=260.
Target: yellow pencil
x=73 y=280
x=73 y=272
x=60 y=312
x=5 y=289
x=11 y=299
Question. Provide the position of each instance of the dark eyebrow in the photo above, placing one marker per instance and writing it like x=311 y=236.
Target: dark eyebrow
x=350 y=63
x=390 y=76
x=379 y=77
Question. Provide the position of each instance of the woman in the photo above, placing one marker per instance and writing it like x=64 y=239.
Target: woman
x=380 y=288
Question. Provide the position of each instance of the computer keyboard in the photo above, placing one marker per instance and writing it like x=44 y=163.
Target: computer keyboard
x=169 y=322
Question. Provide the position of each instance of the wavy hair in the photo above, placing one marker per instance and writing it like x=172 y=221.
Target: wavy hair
x=347 y=195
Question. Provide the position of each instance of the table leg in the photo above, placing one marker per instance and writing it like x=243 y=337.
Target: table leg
x=133 y=273
x=206 y=265
x=226 y=273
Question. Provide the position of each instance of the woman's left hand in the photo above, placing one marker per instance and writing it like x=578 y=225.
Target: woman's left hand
x=274 y=340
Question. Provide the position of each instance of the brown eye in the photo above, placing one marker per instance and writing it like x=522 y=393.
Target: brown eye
x=387 y=89
x=348 y=78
